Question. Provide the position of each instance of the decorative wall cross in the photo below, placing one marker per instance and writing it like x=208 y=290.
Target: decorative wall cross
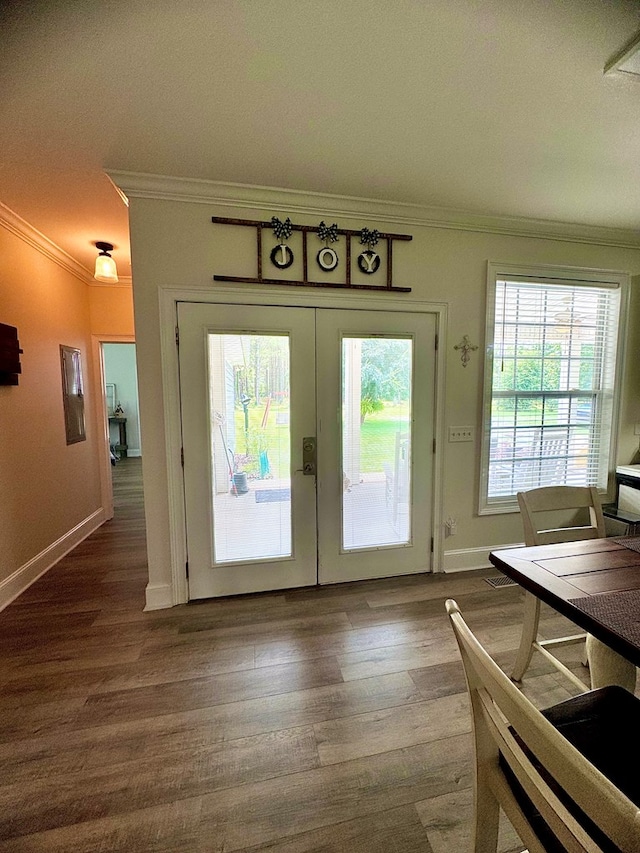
x=467 y=348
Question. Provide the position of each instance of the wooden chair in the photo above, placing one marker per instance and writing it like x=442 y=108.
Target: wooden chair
x=563 y=776
x=536 y=508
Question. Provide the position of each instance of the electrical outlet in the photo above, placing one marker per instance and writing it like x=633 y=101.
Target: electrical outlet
x=463 y=433
x=636 y=430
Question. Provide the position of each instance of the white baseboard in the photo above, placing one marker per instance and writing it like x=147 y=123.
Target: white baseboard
x=468 y=559
x=22 y=578
x=134 y=452
x=158 y=596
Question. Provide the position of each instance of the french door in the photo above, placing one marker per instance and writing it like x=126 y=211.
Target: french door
x=308 y=445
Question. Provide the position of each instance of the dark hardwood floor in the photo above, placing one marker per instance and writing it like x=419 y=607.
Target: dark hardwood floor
x=331 y=719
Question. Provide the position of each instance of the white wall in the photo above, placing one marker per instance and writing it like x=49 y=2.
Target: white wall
x=120 y=369
x=446 y=262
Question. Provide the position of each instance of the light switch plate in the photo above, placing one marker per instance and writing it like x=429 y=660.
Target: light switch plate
x=462 y=433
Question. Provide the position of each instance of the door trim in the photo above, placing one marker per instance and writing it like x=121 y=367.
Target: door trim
x=178 y=592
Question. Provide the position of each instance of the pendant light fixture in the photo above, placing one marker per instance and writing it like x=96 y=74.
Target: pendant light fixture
x=105 y=265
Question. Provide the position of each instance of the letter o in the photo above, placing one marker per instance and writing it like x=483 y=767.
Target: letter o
x=327 y=259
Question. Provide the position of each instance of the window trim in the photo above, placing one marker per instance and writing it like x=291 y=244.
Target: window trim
x=546 y=274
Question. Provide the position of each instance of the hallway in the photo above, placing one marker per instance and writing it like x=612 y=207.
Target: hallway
x=331 y=719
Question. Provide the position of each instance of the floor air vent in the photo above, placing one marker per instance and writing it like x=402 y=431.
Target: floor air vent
x=500 y=581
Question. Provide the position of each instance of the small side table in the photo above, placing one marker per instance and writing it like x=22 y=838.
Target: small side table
x=626 y=475
x=121 y=447
x=625 y=516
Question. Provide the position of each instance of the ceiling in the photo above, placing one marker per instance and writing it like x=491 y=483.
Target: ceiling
x=486 y=106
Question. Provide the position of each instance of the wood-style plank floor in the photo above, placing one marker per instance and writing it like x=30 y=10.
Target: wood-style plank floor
x=331 y=719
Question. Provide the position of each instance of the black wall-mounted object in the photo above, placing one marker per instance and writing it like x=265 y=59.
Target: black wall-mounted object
x=9 y=355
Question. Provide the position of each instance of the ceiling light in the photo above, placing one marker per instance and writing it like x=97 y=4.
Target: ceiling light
x=105 y=265
x=628 y=60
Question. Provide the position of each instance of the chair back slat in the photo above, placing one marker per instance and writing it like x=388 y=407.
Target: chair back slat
x=568 y=831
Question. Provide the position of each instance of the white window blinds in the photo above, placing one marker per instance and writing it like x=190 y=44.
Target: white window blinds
x=552 y=370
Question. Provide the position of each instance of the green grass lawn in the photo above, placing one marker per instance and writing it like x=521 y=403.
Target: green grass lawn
x=378 y=436
x=274 y=438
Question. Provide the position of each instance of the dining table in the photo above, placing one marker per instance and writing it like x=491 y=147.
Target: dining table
x=596 y=584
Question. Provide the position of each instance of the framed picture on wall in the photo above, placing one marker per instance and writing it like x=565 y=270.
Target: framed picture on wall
x=72 y=393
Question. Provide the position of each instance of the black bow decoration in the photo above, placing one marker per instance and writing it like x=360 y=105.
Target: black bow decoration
x=328 y=232
x=282 y=230
x=369 y=238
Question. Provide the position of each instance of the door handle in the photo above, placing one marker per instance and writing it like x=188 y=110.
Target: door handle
x=309 y=455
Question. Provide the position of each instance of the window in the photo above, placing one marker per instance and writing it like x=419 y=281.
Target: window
x=550 y=379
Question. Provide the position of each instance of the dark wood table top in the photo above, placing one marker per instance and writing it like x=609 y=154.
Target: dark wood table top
x=595 y=583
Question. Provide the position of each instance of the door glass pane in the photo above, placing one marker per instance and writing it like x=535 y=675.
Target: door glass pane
x=376 y=441
x=250 y=446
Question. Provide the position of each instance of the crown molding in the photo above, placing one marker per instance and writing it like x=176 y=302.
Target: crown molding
x=247 y=196
x=34 y=238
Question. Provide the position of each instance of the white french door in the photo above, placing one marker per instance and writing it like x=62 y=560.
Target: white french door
x=308 y=445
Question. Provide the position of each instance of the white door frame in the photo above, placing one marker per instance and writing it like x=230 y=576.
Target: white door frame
x=100 y=397
x=168 y=299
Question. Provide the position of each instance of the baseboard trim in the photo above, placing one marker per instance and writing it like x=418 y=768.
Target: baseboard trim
x=158 y=596
x=469 y=559
x=22 y=578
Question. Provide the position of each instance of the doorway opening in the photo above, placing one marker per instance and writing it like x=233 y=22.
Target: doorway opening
x=117 y=407
x=121 y=397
